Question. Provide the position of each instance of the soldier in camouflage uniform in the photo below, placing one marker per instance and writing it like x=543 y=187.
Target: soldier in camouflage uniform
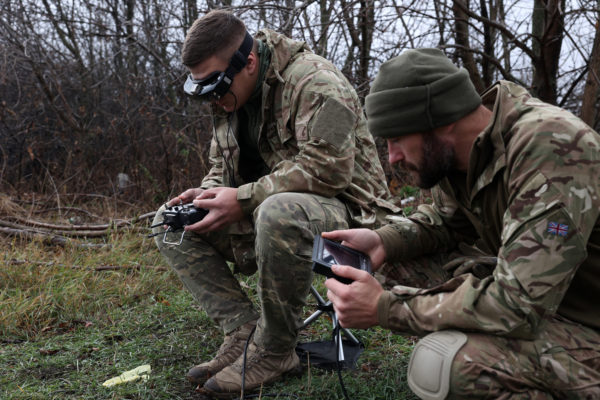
x=290 y=157
x=504 y=266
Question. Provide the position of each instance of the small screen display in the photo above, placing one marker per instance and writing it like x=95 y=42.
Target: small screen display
x=335 y=255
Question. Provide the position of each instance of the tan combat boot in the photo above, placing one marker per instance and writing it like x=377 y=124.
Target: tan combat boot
x=262 y=367
x=233 y=345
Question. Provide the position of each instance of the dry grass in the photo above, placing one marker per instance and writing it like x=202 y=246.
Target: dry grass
x=43 y=287
x=66 y=326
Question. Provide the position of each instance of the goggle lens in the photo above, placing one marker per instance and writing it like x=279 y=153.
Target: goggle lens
x=217 y=83
x=206 y=89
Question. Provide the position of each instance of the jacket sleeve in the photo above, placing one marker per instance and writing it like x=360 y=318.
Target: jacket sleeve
x=553 y=206
x=324 y=117
x=436 y=227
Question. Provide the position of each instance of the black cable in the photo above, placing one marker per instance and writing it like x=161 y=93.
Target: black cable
x=230 y=133
x=252 y=396
x=244 y=362
x=225 y=161
x=229 y=167
x=336 y=331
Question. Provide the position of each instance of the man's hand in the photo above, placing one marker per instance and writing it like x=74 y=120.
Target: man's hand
x=362 y=239
x=354 y=304
x=223 y=207
x=186 y=197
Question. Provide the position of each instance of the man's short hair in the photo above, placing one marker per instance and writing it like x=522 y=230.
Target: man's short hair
x=218 y=33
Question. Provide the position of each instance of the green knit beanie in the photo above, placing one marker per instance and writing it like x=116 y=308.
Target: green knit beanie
x=417 y=91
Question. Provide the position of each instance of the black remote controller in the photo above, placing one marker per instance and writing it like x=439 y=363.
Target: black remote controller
x=176 y=217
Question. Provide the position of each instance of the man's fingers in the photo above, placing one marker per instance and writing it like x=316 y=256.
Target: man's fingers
x=209 y=193
x=204 y=203
x=183 y=198
x=174 y=201
x=338 y=235
x=334 y=286
x=348 y=272
x=204 y=225
x=331 y=296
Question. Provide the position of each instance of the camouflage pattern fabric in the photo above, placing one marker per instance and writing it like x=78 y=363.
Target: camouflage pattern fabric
x=531 y=199
x=530 y=202
x=435 y=269
x=201 y=264
x=324 y=175
x=563 y=362
x=314 y=138
x=280 y=248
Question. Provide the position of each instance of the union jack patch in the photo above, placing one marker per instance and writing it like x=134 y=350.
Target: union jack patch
x=555 y=228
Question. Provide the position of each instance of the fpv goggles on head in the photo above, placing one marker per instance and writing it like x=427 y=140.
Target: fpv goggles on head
x=217 y=83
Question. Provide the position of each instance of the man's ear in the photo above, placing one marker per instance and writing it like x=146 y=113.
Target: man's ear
x=446 y=131
x=252 y=63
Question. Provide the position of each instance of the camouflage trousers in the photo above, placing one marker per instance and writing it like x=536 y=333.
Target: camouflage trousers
x=277 y=244
x=563 y=362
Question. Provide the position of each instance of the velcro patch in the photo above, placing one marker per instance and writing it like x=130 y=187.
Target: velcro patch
x=335 y=123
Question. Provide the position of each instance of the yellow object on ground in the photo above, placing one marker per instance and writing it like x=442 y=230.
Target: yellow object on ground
x=140 y=372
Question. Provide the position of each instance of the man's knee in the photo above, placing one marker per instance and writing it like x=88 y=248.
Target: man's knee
x=430 y=366
x=158 y=230
x=280 y=224
x=282 y=209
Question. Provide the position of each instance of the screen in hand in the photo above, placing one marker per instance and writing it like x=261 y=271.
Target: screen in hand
x=336 y=255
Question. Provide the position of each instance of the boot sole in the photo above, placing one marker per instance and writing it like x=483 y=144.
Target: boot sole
x=294 y=372
x=197 y=382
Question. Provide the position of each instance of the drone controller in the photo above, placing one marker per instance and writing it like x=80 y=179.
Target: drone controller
x=177 y=217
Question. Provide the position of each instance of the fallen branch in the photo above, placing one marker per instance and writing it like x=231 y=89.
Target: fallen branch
x=67 y=209
x=87 y=230
x=134 y=267
x=15 y=261
x=24 y=228
x=91 y=227
x=58 y=234
x=142 y=217
x=47 y=237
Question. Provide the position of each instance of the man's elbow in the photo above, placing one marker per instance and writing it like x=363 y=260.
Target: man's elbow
x=528 y=327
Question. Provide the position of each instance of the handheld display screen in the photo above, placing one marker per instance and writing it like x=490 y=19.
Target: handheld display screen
x=327 y=253
x=334 y=253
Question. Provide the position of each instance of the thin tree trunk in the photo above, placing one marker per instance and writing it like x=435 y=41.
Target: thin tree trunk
x=547 y=32
x=589 y=109
x=464 y=48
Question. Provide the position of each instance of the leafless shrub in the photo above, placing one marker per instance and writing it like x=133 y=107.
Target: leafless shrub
x=91 y=89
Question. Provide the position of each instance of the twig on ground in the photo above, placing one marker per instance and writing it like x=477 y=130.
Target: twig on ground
x=47 y=237
x=15 y=261
x=29 y=228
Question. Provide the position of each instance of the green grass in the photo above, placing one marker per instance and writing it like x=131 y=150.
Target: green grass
x=66 y=328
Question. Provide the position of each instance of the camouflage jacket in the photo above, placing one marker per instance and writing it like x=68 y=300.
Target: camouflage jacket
x=531 y=197
x=313 y=137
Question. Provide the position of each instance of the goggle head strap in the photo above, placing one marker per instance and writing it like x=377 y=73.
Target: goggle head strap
x=240 y=57
x=238 y=61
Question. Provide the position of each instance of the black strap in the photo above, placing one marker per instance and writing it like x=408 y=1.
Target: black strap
x=240 y=57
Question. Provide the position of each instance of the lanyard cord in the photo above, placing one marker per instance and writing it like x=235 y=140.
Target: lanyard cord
x=227 y=160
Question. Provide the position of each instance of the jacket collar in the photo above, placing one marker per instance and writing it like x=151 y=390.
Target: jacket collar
x=282 y=49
